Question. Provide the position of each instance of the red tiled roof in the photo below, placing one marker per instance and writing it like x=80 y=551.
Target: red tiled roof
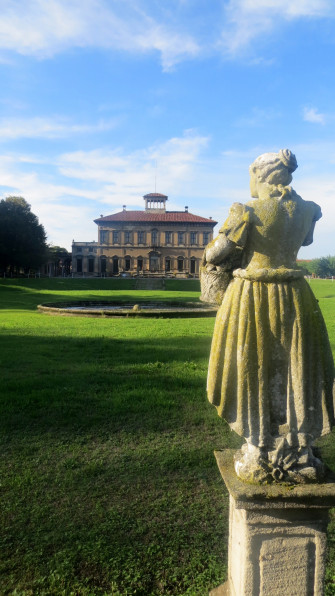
x=151 y=195
x=163 y=217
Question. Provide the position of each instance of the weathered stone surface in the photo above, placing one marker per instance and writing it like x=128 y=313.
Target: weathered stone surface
x=220 y=258
x=277 y=536
x=271 y=369
x=214 y=281
x=250 y=495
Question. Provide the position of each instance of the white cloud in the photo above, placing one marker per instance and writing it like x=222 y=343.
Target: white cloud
x=131 y=175
x=48 y=128
x=42 y=29
x=313 y=115
x=248 y=19
x=287 y=8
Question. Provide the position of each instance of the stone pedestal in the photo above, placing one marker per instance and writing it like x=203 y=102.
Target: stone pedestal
x=277 y=536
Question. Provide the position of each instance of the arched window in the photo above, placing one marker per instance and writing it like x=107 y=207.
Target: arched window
x=139 y=263
x=193 y=265
x=180 y=262
x=154 y=262
x=167 y=264
x=127 y=262
x=115 y=262
x=103 y=264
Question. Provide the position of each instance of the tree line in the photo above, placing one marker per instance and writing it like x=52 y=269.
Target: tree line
x=322 y=267
x=23 y=240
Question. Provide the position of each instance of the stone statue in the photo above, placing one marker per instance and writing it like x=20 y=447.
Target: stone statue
x=271 y=369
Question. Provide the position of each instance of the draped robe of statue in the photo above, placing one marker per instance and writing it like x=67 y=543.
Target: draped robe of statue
x=271 y=369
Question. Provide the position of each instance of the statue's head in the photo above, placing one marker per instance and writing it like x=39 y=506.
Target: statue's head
x=272 y=168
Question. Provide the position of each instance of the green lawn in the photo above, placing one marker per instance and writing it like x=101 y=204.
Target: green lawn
x=108 y=481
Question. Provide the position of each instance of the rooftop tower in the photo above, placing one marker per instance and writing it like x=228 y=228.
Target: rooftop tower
x=155 y=201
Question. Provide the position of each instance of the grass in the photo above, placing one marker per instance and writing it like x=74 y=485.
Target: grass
x=108 y=480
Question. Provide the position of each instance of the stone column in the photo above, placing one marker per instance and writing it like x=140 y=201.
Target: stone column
x=277 y=536
x=85 y=264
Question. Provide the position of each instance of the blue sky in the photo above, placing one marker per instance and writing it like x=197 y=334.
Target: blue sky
x=100 y=98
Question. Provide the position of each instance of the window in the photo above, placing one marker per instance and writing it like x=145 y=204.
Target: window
x=168 y=237
x=103 y=236
x=127 y=263
x=115 y=265
x=154 y=237
x=153 y=262
x=127 y=237
x=115 y=237
x=167 y=264
x=79 y=249
x=103 y=264
x=180 y=264
x=140 y=263
x=79 y=265
x=193 y=262
x=91 y=265
x=140 y=237
x=205 y=238
x=181 y=237
x=193 y=237
x=90 y=249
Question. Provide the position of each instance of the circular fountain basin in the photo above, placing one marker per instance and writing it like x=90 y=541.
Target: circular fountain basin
x=152 y=308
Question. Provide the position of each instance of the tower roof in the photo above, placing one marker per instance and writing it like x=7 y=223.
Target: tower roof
x=152 y=195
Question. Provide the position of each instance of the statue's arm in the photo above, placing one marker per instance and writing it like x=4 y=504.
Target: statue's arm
x=233 y=234
x=219 y=249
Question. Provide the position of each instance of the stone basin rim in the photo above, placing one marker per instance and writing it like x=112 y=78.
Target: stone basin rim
x=149 y=308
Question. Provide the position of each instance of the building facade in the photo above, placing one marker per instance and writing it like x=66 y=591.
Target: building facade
x=153 y=241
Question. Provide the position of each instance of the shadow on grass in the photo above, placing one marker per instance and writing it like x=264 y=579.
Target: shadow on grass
x=69 y=284
x=109 y=484
x=82 y=384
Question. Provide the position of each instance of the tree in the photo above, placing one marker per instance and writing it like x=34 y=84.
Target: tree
x=323 y=267
x=22 y=237
x=307 y=266
x=331 y=261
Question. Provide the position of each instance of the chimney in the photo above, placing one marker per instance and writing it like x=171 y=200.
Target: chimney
x=210 y=217
x=124 y=207
x=186 y=208
x=101 y=215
